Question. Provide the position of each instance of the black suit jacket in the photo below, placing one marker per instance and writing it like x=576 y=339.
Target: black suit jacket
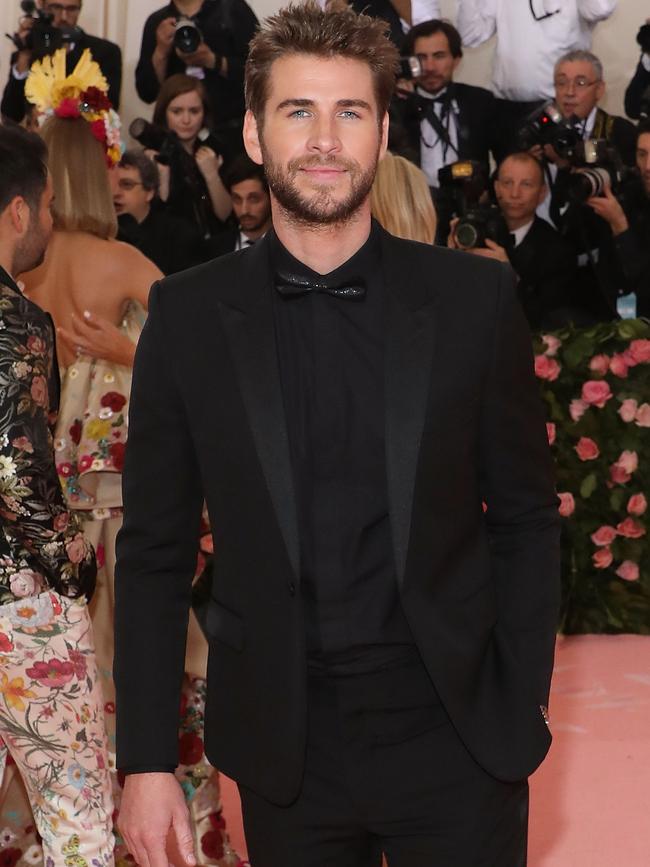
x=636 y=88
x=106 y=54
x=476 y=123
x=545 y=264
x=464 y=424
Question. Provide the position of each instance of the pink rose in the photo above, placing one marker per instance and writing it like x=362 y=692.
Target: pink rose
x=39 y=391
x=552 y=344
x=61 y=522
x=629 y=461
x=577 y=409
x=25 y=582
x=619 y=475
x=596 y=392
x=76 y=548
x=36 y=345
x=642 y=416
x=550 y=432
x=587 y=449
x=599 y=364
x=602 y=558
x=567 y=504
x=627 y=409
x=23 y=445
x=604 y=535
x=640 y=350
x=630 y=529
x=637 y=504
x=618 y=366
x=628 y=570
x=547 y=368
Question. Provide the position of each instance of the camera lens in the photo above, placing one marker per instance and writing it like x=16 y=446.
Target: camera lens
x=187 y=36
x=467 y=235
x=28 y=6
x=585 y=183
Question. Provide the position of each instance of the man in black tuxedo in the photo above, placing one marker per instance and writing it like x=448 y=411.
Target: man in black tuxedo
x=251 y=206
x=436 y=121
x=545 y=264
x=346 y=402
x=64 y=18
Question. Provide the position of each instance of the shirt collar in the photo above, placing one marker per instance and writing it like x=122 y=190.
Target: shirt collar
x=7 y=280
x=360 y=264
x=521 y=232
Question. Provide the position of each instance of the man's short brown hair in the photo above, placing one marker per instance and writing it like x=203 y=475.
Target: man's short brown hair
x=337 y=31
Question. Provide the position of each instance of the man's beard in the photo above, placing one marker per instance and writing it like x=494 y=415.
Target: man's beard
x=30 y=253
x=321 y=208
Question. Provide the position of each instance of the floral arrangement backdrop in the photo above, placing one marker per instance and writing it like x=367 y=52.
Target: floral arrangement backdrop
x=596 y=386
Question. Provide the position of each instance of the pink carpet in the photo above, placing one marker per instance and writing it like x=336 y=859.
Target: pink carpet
x=590 y=800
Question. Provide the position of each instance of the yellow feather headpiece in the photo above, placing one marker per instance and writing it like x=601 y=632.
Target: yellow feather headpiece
x=80 y=94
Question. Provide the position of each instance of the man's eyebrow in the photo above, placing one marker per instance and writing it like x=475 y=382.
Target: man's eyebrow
x=295 y=102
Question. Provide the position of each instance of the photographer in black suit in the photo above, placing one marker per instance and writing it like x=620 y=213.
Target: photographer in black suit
x=628 y=216
x=63 y=30
x=640 y=84
x=251 y=206
x=436 y=121
x=545 y=264
x=222 y=31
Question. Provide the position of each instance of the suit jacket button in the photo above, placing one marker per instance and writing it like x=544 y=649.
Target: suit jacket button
x=292 y=588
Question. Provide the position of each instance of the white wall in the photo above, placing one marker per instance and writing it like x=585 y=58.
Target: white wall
x=122 y=21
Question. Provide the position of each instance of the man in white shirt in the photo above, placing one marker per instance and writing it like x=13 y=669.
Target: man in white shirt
x=531 y=36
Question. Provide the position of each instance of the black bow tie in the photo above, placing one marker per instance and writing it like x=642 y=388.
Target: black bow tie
x=291 y=286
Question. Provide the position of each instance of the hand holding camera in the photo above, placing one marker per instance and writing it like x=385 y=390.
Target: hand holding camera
x=607 y=206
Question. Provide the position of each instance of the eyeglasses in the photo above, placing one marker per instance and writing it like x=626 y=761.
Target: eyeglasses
x=580 y=83
x=58 y=8
x=126 y=184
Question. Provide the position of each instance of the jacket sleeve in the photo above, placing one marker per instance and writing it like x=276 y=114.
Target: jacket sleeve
x=44 y=539
x=477 y=21
x=517 y=481
x=244 y=25
x=112 y=69
x=156 y=554
x=146 y=80
x=596 y=10
x=635 y=90
x=13 y=98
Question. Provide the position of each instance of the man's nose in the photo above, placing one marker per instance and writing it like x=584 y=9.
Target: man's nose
x=324 y=137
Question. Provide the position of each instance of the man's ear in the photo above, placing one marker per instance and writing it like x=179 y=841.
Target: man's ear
x=20 y=215
x=383 y=145
x=252 y=138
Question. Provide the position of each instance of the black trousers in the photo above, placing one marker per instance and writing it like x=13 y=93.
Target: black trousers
x=386 y=773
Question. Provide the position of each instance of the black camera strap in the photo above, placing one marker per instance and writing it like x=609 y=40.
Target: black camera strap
x=439 y=124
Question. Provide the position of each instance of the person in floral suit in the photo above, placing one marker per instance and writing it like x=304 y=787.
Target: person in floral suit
x=51 y=707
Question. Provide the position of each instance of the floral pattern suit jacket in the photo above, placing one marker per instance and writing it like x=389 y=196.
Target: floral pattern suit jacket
x=41 y=543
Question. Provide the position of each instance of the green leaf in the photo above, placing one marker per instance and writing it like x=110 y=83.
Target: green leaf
x=588 y=486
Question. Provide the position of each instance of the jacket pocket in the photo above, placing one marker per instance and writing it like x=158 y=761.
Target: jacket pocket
x=225 y=626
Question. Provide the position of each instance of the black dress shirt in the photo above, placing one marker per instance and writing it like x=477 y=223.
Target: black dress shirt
x=227 y=27
x=331 y=359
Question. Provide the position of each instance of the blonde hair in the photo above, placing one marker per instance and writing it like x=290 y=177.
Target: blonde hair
x=77 y=163
x=401 y=201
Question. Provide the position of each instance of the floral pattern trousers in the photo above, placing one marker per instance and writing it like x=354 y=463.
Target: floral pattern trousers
x=52 y=725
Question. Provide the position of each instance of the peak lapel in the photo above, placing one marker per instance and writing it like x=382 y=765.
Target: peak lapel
x=247 y=316
x=409 y=352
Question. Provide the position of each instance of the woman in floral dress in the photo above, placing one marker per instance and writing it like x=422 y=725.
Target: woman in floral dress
x=96 y=290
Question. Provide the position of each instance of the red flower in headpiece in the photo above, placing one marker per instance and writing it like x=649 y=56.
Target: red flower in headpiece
x=98 y=130
x=67 y=108
x=96 y=99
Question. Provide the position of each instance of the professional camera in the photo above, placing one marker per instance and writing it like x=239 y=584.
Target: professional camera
x=597 y=165
x=155 y=138
x=187 y=36
x=466 y=182
x=43 y=38
x=544 y=126
x=643 y=38
x=409 y=68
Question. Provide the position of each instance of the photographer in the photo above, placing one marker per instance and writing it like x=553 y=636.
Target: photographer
x=531 y=36
x=545 y=264
x=45 y=27
x=638 y=89
x=442 y=121
x=188 y=157
x=143 y=222
x=251 y=206
x=628 y=217
x=213 y=46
